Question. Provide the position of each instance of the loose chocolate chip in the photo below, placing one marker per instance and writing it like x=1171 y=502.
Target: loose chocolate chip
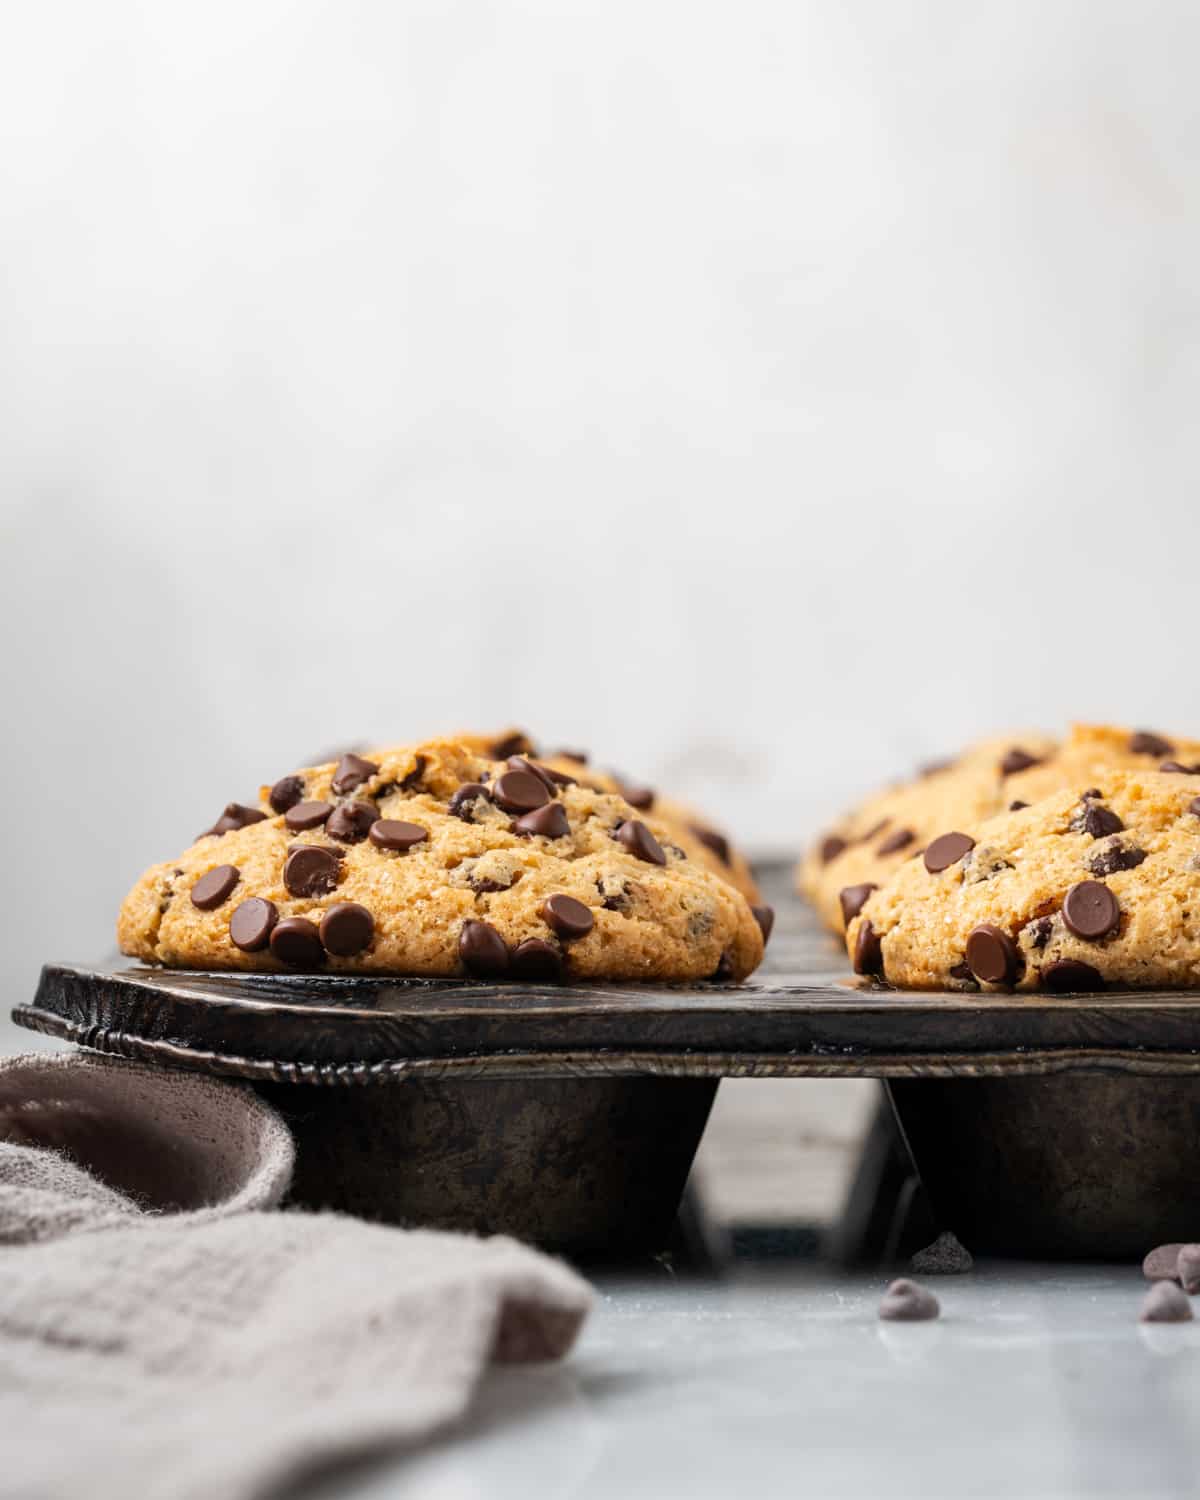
x=215 y=887
x=1017 y=805
x=1113 y=857
x=351 y=822
x=1097 y=820
x=236 y=815
x=568 y=917
x=868 y=951
x=765 y=917
x=1067 y=976
x=311 y=870
x=1165 y=1303
x=1162 y=1263
x=286 y=793
x=535 y=959
x=853 y=899
x=351 y=771
x=641 y=797
x=946 y=850
x=306 y=815
x=550 y=822
x=1090 y=910
x=482 y=950
x=1144 y=742
x=992 y=956
x=347 y=928
x=1188 y=1267
x=463 y=801
x=831 y=846
x=515 y=743
x=640 y=842
x=1039 y=931
x=396 y=835
x=296 y=942
x=520 y=791
x=251 y=923
x=1016 y=760
x=896 y=841
x=1174 y=768
x=906 y=1302
x=713 y=840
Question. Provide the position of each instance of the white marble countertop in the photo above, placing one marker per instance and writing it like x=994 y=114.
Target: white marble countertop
x=1038 y=1383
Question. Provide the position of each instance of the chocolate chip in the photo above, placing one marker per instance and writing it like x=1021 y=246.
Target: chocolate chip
x=351 y=771
x=896 y=841
x=723 y=973
x=306 y=815
x=520 y=791
x=1113 y=857
x=992 y=956
x=286 y=793
x=482 y=950
x=543 y=773
x=906 y=1302
x=413 y=779
x=713 y=840
x=396 y=835
x=347 y=928
x=1174 y=768
x=515 y=743
x=1017 y=805
x=641 y=797
x=1067 y=976
x=1144 y=742
x=962 y=972
x=1039 y=931
x=1194 y=807
x=351 y=822
x=1188 y=1267
x=1165 y=1303
x=1095 y=819
x=215 y=887
x=1162 y=1263
x=462 y=804
x=1091 y=911
x=831 y=846
x=581 y=756
x=640 y=842
x=550 y=822
x=1016 y=760
x=296 y=942
x=946 y=850
x=568 y=917
x=236 y=815
x=853 y=899
x=535 y=959
x=868 y=951
x=251 y=923
x=311 y=870
x=865 y=838
x=1093 y=792
x=765 y=917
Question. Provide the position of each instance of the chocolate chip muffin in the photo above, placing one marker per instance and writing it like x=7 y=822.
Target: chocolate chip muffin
x=862 y=852
x=1088 y=887
x=432 y=859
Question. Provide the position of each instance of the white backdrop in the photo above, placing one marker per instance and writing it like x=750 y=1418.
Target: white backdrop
x=766 y=395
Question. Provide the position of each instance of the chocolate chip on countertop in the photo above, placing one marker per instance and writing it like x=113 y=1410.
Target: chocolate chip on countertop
x=307 y=815
x=640 y=842
x=868 y=951
x=311 y=870
x=765 y=917
x=1188 y=1266
x=831 y=846
x=1165 y=1303
x=462 y=803
x=397 y=835
x=213 y=889
x=251 y=923
x=1162 y=1263
x=1067 y=976
x=567 y=917
x=549 y=821
x=906 y=1302
x=1096 y=819
x=853 y=899
x=946 y=850
x=1091 y=910
x=535 y=959
x=896 y=841
x=236 y=815
x=351 y=822
x=641 y=797
x=296 y=942
x=713 y=840
x=1145 y=742
x=347 y=928
x=520 y=791
x=992 y=956
x=482 y=950
x=351 y=771
x=286 y=793
x=1016 y=760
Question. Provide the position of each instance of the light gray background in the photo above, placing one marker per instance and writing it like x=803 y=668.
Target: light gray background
x=766 y=395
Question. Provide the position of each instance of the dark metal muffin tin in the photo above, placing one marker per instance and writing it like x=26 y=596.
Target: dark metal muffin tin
x=1041 y=1125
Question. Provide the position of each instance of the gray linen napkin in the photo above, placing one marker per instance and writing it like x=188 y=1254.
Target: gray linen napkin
x=162 y=1335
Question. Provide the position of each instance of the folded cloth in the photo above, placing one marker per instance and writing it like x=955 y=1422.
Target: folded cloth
x=161 y=1335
